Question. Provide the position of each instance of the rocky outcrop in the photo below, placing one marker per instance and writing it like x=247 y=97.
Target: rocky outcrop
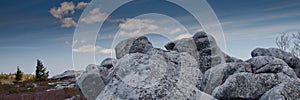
x=150 y=73
x=141 y=71
x=285 y=91
x=263 y=74
x=268 y=64
x=217 y=75
x=163 y=75
x=247 y=86
x=67 y=74
x=290 y=59
x=204 y=48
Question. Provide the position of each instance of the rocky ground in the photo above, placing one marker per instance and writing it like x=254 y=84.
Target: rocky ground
x=191 y=68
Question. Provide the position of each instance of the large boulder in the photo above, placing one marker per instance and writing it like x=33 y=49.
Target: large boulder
x=187 y=45
x=140 y=45
x=159 y=75
x=133 y=45
x=204 y=48
x=67 y=74
x=217 y=75
x=285 y=91
x=248 y=86
x=91 y=82
x=291 y=60
x=268 y=64
x=123 y=47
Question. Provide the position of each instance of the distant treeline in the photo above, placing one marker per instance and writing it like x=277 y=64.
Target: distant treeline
x=41 y=74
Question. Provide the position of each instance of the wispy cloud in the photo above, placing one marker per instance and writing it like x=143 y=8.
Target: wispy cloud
x=92 y=48
x=94 y=16
x=237 y=21
x=66 y=8
x=283 y=6
x=175 y=31
x=186 y=35
x=64 y=13
x=68 y=22
x=81 y=5
x=260 y=32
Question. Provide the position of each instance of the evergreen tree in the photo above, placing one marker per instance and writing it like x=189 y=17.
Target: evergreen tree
x=40 y=73
x=19 y=75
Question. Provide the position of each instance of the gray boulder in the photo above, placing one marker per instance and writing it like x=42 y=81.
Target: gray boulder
x=248 y=86
x=123 y=47
x=156 y=75
x=290 y=59
x=204 y=41
x=107 y=63
x=187 y=45
x=204 y=48
x=67 y=74
x=91 y=82
x=140 y=45
x=217 y=75
x=132 y=45
x=285 y=91
x=268 y=64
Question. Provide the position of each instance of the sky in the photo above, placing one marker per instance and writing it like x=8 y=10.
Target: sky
x=39 y=29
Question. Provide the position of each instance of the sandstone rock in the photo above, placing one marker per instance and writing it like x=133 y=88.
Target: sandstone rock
x=290 y=59
x=285 y=91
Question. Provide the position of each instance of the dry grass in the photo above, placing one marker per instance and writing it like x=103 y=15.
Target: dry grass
x=10 y=78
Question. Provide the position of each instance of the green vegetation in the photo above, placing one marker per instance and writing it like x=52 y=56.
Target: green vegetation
x=40 y=72
x=19 y=75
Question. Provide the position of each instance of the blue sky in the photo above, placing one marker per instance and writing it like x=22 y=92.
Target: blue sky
x=29 y=31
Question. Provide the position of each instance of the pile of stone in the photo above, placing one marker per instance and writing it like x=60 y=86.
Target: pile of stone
x=191 y=68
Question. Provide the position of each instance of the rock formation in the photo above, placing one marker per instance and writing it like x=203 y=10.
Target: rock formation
x=191 y=68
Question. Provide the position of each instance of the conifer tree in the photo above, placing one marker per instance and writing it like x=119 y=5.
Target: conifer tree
x=19 y=75
x=40 y=73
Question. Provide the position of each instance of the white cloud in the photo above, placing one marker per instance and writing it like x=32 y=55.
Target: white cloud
x=181 y=36
x=94 y=16
x=64 y=13
x=81 y=5
x=66 y=8
x=175 y=31
x=105 y=51
x=91 y=48
x=135 y=27
x=68 y=22
x=138 y=24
